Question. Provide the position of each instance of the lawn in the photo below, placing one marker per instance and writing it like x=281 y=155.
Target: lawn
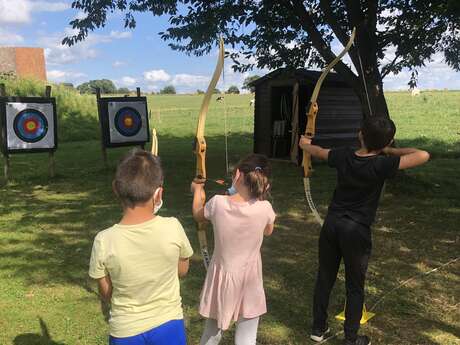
x=47 y=227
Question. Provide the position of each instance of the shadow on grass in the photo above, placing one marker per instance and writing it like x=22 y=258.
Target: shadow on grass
x=36 y=339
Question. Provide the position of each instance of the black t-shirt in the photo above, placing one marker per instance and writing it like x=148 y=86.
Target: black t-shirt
x=359 y=183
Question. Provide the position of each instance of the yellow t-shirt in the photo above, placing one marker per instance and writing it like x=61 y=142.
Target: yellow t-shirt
x=142 y=262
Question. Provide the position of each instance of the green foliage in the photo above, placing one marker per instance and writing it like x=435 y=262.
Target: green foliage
x=249 y=80
x=199 y=92
x=233 y=89
x=216 y=91
x=168 y=90
x=106 y=86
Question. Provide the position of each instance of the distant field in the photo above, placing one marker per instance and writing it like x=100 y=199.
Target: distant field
x=47 y=227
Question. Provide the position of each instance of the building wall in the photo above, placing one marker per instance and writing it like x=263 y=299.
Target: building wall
x=7 y=60
x=24 y=62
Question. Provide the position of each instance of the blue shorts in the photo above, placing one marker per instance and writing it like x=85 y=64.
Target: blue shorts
x=169 y=333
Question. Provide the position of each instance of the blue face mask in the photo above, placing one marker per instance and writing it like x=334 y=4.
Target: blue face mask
x=232 y=190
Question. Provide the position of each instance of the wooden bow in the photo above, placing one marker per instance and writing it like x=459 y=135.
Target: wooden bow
x=310 y=128
x=200 y=146
x=154 y=149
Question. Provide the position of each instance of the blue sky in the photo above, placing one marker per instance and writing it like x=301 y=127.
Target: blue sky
x=139 y=57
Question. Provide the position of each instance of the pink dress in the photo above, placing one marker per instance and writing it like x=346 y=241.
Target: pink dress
x=234 y=287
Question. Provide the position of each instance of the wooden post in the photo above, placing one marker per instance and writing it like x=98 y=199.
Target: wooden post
x=6 y=157
x=48 y=91
x=51 y=161
x=103 y=148
x=6 y=167
x=138 y=91
x=51 y=164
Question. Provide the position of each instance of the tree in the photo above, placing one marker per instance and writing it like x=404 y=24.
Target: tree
x=199 y=92
x=106 y=86
x=233 y=89
x=392 y=35
x=168 y=90
x=123 y=90
x=216 y=91
x=249 y=80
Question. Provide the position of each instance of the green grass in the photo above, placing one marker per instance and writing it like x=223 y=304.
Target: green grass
x=47 y=227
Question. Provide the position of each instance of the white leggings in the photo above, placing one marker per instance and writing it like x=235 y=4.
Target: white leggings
x=245 y=334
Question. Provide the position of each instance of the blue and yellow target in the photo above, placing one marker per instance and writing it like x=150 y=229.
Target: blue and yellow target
x=30 y=125
x=128 y=121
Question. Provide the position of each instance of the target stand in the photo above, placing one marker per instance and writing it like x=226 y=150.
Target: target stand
x=124 y=121
x=28 y=125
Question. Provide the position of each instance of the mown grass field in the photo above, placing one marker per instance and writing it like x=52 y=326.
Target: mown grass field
x=47 y=227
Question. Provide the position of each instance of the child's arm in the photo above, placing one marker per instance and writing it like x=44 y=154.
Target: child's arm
x=410 y=157
x=105 y=288
x=269 y=229
x=314 y=150
x=183 y=266
x=199 y=196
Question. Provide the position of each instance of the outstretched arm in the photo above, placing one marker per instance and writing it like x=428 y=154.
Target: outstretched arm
x=314 y=150
x=410 y=157
x=199 y=195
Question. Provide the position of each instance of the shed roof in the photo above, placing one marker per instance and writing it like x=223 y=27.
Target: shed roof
x=300 y=74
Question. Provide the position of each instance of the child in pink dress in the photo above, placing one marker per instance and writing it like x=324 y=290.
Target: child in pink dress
x=233 y=290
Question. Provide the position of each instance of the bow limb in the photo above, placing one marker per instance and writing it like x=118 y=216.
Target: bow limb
x=200 y=146
x=310 y=128
x=154 y=149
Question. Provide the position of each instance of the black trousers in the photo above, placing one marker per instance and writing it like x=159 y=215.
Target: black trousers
x=342 y=237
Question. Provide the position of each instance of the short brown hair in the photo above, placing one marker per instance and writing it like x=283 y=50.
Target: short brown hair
x=257 y=171
x=138 y=175
x=378 y=132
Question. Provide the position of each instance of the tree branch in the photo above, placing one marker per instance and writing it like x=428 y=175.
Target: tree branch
x=307 y=23
x=340 y=33
x=388 y=67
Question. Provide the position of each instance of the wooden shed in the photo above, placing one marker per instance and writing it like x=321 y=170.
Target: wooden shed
x=281 y=103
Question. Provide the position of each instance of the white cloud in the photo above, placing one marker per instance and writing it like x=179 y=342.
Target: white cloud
x=64 y=76
x=434 y=75
x=19 y=11
x=127 y=81
x=14 y=11
x=190 y=80
x=58 y=54
x=118 y=63
x=10 y=38
x=120 y=34
x=48 y=6
x=158 y=75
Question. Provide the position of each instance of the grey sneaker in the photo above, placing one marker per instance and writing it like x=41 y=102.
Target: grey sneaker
x=320 y=334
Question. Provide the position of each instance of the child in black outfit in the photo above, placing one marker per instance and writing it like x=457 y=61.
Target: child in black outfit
x=346 y=231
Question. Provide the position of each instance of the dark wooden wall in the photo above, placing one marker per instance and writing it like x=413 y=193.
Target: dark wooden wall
x=339 y=117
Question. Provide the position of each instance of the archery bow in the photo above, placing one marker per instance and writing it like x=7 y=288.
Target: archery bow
x=154 y=149
x=200 y=146
x=311 y=127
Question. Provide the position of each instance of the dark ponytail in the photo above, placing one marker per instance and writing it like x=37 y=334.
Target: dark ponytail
x=257 y=171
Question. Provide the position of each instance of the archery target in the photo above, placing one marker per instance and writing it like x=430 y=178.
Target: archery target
x=127 y=122
x=30 y=126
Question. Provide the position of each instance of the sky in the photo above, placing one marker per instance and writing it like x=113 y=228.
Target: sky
x=139 y=57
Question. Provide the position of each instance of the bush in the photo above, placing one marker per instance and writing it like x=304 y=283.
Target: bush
x=168 y=90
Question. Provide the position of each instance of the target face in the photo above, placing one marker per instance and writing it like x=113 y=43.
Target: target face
x=128 y=121
x=30 y=125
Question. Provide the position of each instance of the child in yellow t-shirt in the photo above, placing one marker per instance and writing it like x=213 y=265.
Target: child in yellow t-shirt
x=137 y=262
